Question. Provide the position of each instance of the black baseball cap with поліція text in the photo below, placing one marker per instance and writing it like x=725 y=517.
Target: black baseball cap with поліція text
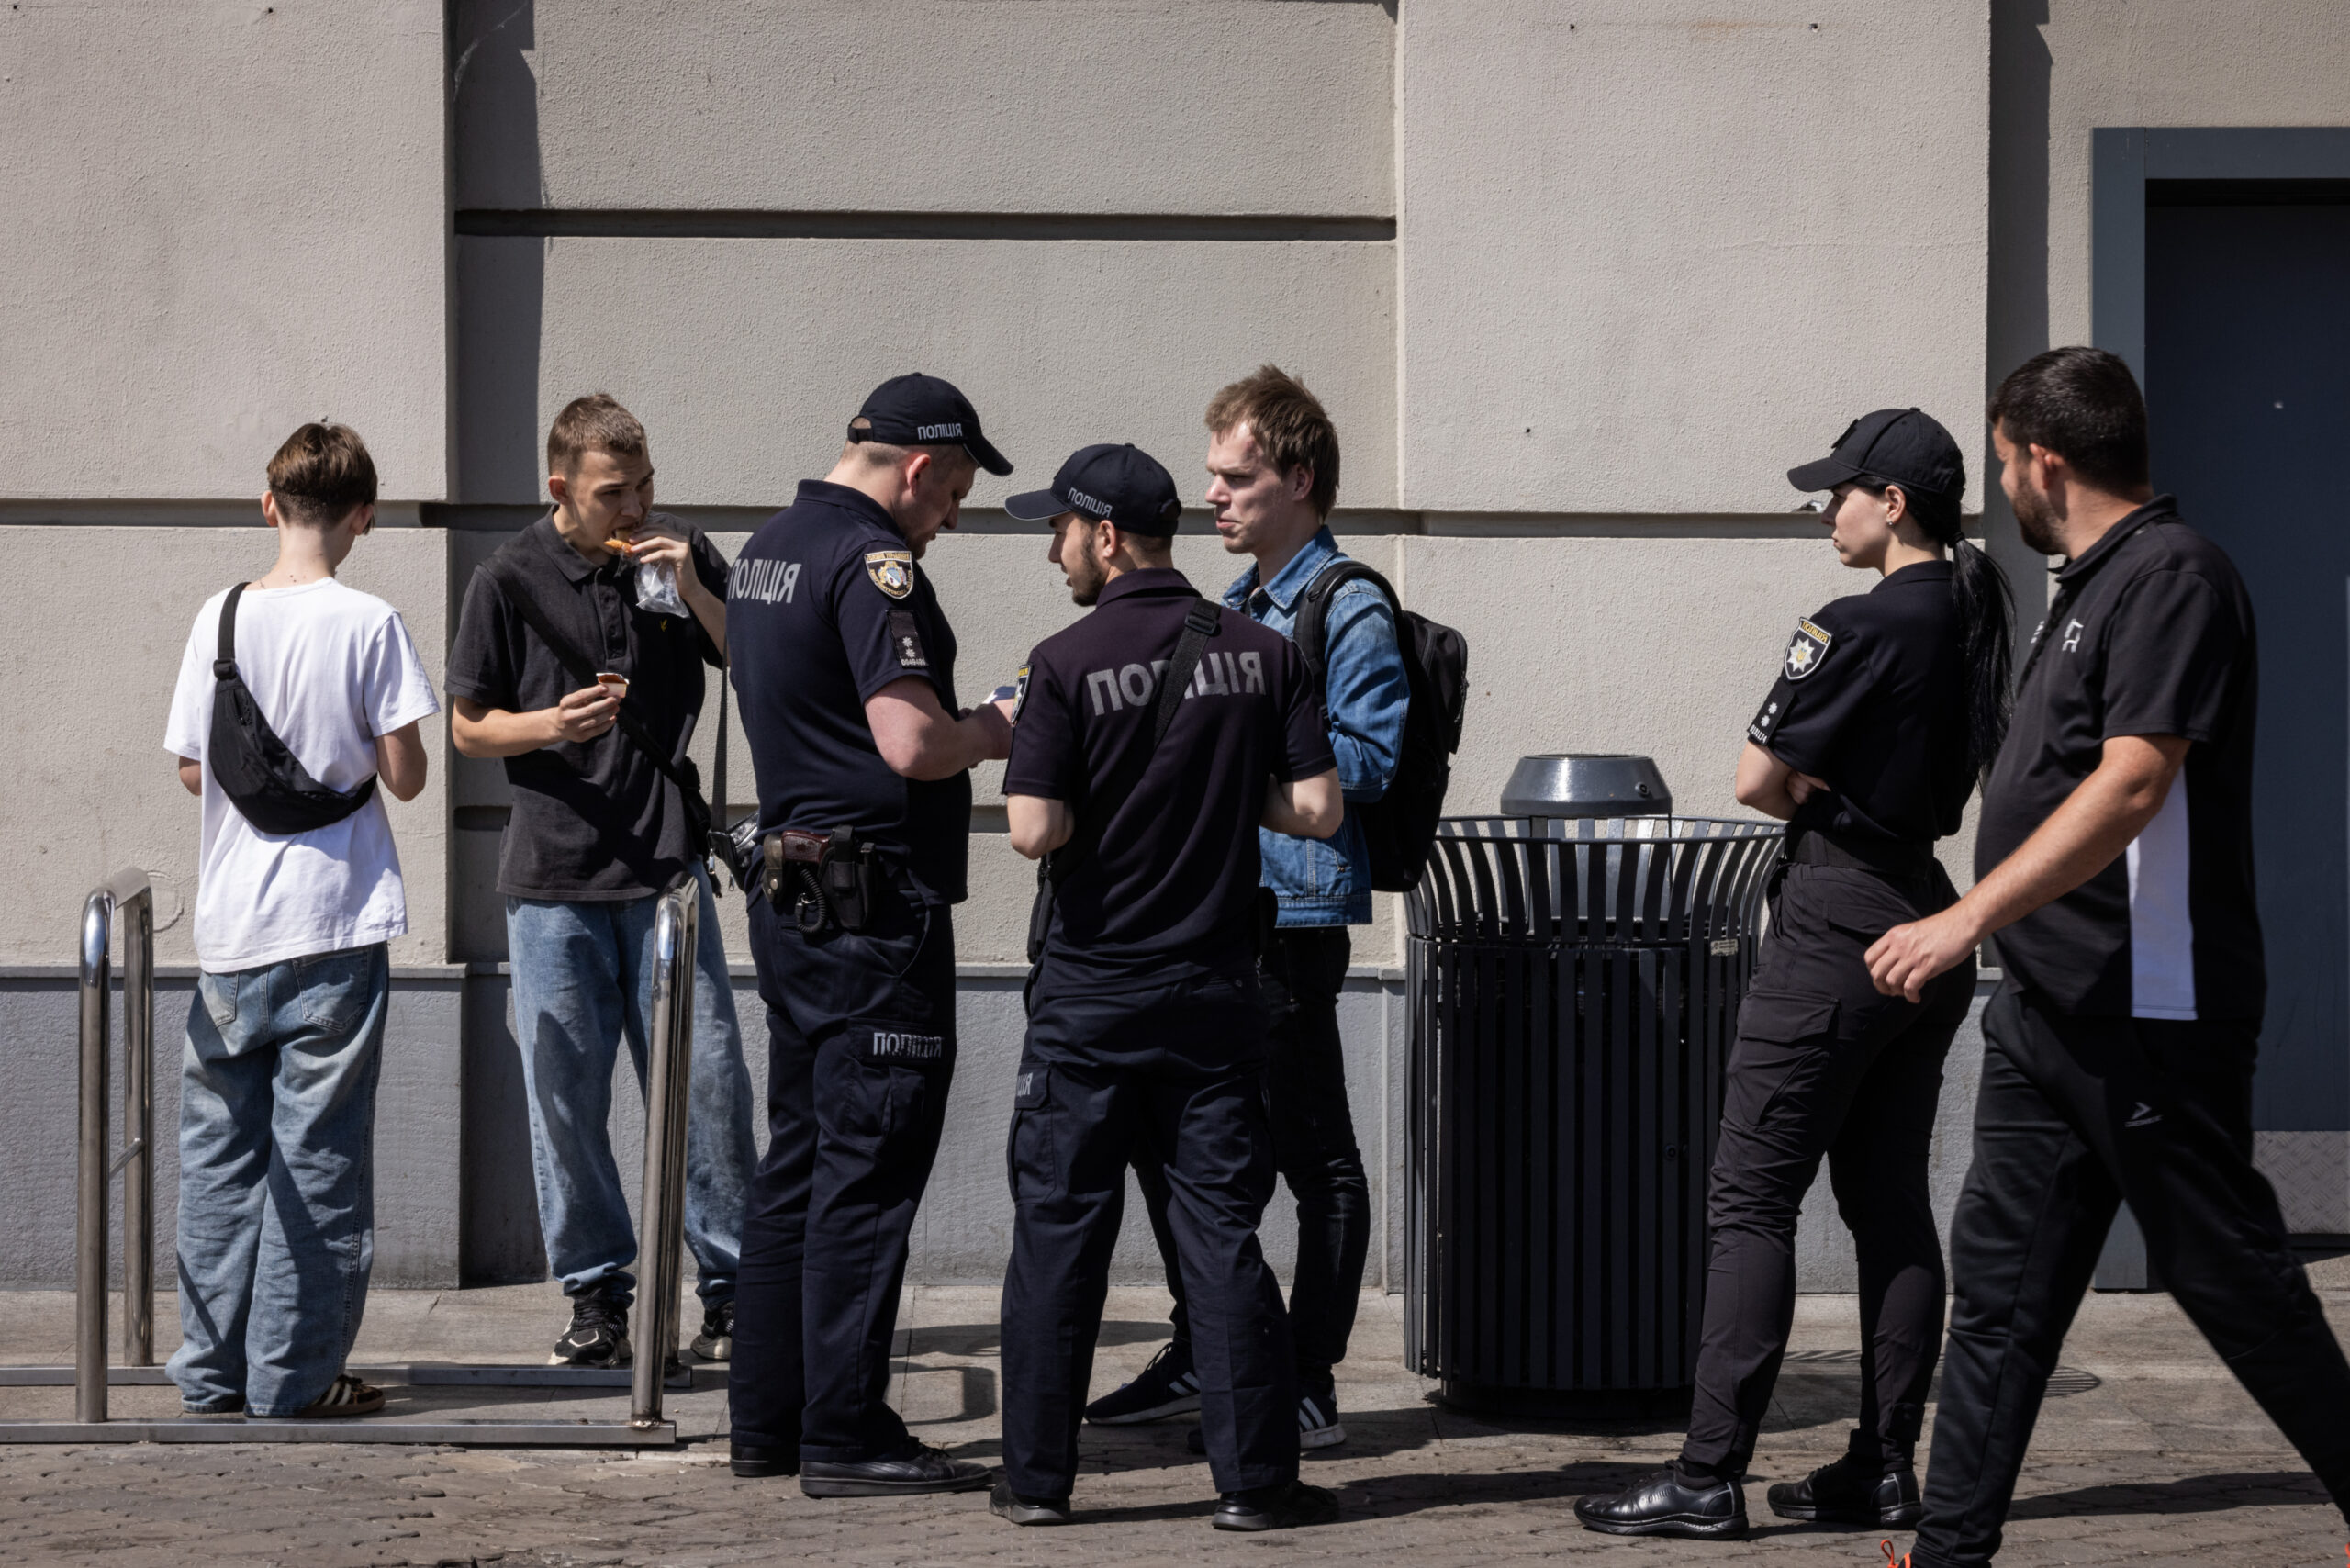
x=1105 y=483
x=922 y=410
x=1905 y=446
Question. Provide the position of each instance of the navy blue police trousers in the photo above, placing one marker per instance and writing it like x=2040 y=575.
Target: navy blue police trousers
x=860 y=1052
x=1179 y=1068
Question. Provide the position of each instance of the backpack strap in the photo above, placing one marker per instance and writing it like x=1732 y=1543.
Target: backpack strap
x=509 y=582
x=1311 y=632
x=225 y=664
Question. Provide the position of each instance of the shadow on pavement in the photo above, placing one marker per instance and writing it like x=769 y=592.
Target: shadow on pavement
x=984 y=1339
x=2190 y=1495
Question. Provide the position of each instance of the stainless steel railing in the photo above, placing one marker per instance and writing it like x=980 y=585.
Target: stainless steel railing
x=661 y=1222
x=127 y=898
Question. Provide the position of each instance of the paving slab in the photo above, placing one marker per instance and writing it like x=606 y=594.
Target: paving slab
x=2148 y=1454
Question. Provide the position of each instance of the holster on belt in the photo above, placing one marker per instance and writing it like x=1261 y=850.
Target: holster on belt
x=824 y=881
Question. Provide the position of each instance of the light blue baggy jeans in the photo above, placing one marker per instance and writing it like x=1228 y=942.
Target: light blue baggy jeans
x=583 y=981
x=277 y=1133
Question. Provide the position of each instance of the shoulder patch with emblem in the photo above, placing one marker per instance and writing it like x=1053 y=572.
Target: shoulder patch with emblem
x=892 y=571
x=1806 y=648
x=905 y=641
x=1019 y=693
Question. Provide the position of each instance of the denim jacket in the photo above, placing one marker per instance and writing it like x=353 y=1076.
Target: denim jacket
x=1328 y=881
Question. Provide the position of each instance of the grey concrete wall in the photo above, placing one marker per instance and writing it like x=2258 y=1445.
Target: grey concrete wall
x=1211 y=106
x=222 y=220
x=745 y=357
x=1655 y=251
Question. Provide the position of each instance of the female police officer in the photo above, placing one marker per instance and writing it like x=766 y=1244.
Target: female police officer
x=1888 y=707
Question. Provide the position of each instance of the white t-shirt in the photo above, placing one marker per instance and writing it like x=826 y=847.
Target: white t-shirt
x=332 y=668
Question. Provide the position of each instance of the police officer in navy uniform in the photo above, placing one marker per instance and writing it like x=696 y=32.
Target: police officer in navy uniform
x=1153 y=738
x=844 y=666
x=1888 y=709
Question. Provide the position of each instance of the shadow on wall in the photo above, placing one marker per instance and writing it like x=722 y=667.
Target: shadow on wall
x=500 y=283
x=2021 y=70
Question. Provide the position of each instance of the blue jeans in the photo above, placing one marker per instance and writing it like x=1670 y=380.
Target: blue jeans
x=583 y=980
x=277 y=1136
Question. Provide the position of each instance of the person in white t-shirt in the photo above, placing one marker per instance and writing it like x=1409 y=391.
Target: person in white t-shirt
x=277 y=1098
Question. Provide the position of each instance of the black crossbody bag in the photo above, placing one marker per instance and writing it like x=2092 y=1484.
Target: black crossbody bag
x=260 y=775
x=1200 y=623
x=733 y=849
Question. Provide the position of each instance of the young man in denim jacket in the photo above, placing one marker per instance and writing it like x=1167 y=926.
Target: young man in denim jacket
x=1273 y=462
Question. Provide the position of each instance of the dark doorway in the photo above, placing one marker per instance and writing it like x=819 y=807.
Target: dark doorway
x=2248 y=390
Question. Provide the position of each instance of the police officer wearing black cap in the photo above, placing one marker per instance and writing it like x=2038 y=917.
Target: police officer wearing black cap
x=1888 y=709
x=844 y=666
x=1153 y=738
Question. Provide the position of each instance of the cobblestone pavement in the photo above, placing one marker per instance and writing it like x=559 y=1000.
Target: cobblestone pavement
x=2148 y=1454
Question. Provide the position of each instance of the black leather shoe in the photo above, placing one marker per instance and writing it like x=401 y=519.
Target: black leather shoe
x=1663 y=1504
x=753 y=1462
x=1852 y=1491
x=1286 y=1507
x=919 y=1468
x=1006 y=1503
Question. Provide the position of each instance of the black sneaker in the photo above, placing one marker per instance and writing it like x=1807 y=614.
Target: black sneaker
x=598 y=1332
x=1166 y=1387
x=716 y=1341
x=1006 y=1503
x=1287 y=1506
x=1855 y=1490
x=1317 y=1424
x=1667 y=1504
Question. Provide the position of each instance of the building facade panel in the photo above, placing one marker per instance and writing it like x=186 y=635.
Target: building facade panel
x=745 y=358
x=1148 y=107
x=1653 y=252
x=223 y=221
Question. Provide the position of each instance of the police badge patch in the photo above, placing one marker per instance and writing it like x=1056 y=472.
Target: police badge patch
x=1019 y=693
x=892 y=571
x=1806 y=648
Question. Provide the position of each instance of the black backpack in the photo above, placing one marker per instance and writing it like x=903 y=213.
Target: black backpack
x=264 y=781
x=1399 y=828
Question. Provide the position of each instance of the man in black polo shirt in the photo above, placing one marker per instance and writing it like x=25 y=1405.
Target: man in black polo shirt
x=1153 y=738
x=2115 y=863
x=595 y=833
x=845 y=668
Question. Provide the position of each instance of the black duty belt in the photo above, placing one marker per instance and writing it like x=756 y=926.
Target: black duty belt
x=824 y=881
x=1887 y=856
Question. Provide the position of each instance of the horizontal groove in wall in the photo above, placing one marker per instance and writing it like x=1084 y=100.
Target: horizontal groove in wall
x=503 y=518
x=244 y=513
x=634 y=223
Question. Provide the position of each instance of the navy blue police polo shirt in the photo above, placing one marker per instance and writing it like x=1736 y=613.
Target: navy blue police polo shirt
x=2151 y=634
x=824 y=608
x=1171 y=892
x=1872 y=697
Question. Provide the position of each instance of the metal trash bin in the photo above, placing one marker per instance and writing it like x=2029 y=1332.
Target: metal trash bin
x=1574 y=978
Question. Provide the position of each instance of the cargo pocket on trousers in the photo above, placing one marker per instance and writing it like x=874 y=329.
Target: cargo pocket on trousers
x=1028 y=1153
x=1778 y=1033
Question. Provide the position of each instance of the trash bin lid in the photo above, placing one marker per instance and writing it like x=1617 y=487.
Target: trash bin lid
x=1581 y=784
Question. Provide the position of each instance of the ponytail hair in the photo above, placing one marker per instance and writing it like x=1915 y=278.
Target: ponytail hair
x=1986 y=607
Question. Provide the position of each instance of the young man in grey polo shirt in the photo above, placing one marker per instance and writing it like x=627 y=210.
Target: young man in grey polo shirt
x=596 y=832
